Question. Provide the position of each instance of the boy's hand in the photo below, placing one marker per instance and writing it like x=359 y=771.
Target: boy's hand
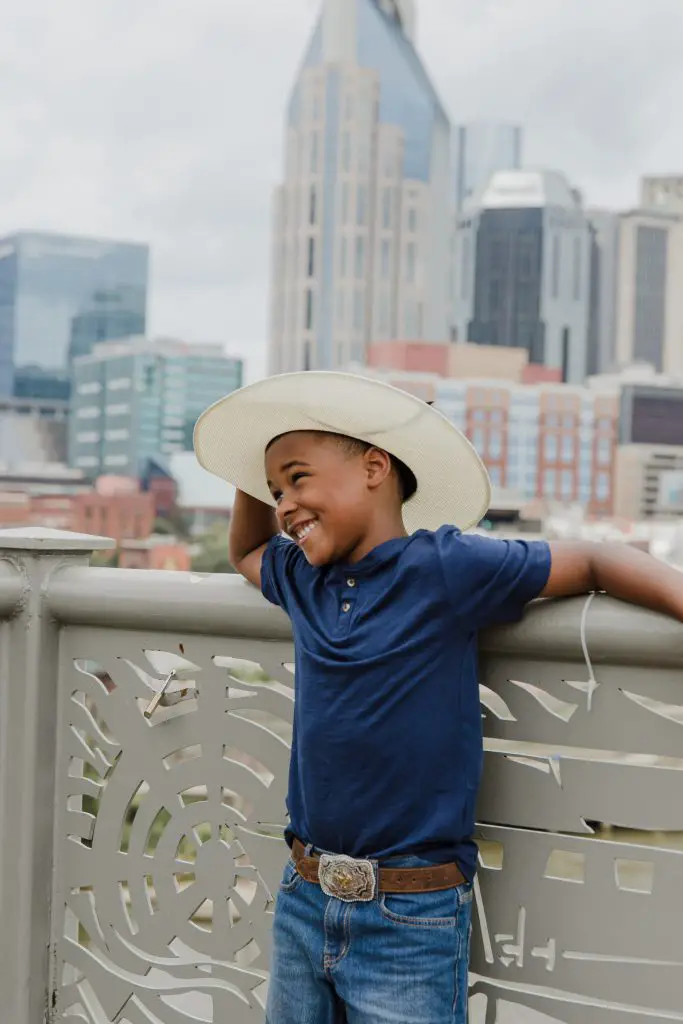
x=621 y=571
x=251 y=527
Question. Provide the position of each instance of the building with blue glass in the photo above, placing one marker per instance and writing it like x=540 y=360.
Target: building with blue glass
x=60 y=295
x=523 y=271
x=361 y=232
x=137 y=399
x=480 y=149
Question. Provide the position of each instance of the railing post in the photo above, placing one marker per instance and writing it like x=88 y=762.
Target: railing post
x=28 y=674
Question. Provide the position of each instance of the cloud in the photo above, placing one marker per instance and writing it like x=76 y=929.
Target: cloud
x=163 y=121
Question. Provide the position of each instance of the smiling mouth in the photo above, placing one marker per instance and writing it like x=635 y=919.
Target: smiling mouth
x=300 y=533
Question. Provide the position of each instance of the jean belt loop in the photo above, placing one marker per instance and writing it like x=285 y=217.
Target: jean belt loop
x=308 y=851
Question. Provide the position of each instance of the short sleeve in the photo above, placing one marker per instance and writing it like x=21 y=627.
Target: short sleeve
x=490 y=580
x=281 y=562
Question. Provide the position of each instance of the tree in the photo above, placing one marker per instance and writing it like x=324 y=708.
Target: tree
x=212 y=551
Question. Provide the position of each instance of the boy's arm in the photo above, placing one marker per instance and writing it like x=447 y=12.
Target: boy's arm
x=251 y=527
x=619 y=570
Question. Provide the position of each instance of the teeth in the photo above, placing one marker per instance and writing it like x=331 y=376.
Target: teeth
x=304 y=531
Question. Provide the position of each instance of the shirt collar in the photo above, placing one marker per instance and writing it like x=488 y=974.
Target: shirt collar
x=379 y=556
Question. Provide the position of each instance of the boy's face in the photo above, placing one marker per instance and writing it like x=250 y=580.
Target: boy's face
x=323 y=493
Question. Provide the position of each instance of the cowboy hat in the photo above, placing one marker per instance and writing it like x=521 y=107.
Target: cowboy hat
x=453 y=487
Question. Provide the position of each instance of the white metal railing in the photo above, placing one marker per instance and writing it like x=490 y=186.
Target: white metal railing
x=141 y=838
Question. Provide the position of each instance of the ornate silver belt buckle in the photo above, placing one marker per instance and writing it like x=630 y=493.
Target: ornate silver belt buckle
x=346 y=879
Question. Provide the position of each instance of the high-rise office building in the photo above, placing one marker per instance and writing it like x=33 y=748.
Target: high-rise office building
x=361 y=231
x=604 y=261
x=479 y=150
x=522 y=270
x=135 y=399
x=60 y=295
x=649 y=313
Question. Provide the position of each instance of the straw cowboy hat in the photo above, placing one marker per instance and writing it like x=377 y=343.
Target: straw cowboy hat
x=453 y=487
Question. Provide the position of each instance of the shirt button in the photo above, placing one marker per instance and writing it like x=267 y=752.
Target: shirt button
x=346 y=606
x=350 y=582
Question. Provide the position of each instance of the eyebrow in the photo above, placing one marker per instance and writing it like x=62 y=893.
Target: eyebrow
x=289 y=465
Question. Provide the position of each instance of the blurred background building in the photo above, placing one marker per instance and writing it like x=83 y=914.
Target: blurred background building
x=60 y=295
x=479 y=150
x=138 y=398
x=362 y=229
x=522 y=270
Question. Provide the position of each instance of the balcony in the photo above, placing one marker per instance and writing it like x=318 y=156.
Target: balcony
x=144 y=727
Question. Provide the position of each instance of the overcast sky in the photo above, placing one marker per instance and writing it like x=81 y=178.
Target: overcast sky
x=161 y=120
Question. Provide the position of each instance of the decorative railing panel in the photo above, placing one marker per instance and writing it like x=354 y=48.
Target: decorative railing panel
x=166 y=814
x=167 y=874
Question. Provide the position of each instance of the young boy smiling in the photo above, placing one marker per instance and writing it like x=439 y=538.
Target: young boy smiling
x=373 y=916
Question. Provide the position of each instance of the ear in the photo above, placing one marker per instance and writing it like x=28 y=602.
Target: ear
x=377 y=467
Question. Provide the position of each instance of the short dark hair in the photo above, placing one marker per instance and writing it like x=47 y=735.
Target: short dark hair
x=354 y=446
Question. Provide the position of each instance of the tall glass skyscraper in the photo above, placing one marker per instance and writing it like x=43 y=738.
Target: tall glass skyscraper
x=59 y=296
x=481 y=149
x=361 y=229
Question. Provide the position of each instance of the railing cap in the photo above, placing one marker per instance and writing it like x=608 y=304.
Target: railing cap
x=39 y=538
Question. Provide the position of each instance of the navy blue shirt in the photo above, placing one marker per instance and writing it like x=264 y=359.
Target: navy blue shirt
x=387 y=744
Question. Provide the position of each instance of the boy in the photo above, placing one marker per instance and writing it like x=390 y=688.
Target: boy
x=373 y=915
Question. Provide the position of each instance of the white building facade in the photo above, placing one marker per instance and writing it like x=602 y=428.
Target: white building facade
x=361 y=222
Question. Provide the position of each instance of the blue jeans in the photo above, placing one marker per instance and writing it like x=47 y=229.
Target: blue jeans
x=400 y=959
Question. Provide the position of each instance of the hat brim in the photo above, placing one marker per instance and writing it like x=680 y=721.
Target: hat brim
x=453 y=487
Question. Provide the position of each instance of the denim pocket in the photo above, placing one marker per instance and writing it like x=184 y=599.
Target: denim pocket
x=291 y=879
x=425 y=909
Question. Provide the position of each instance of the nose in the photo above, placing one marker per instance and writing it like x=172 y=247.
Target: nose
x=285 y=509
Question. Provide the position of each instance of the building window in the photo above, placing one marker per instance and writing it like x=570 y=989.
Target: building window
x=343 y=246
x=341 y=309
x=116 y=460
x=348 y=107
x=555 y=270
x=91 y=412
x=550 y=447
x=411 y=259
x=602 y=487
x=412 y=220
x=494 y=474
x=358 y=309
x=344 y=215
x=577 y=269
x=549 y=483
x=385 y=258
x=308 y=317
x=308 y=360
x=478 y=439
x=312 y=205
x=346 y=152
x=384 y=314
x=311 y=257
x=88 y=437
x=360 y=257
x=116 y=435
x=386 y=208
x=567 y=448
x=567 y=483
x=362 y=205
x=121 y=409
x=495 y=444
x=87 y=461
x=604 y=451
x=92 y=387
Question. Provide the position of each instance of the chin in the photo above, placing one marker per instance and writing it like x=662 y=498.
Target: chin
x=318 y=555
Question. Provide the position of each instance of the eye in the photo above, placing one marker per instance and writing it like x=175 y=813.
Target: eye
x=277 y=496
x=298 y=476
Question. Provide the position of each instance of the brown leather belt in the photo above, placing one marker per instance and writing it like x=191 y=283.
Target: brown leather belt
x=390 y=880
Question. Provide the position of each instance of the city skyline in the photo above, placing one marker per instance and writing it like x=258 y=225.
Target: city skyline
x=193 y=174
